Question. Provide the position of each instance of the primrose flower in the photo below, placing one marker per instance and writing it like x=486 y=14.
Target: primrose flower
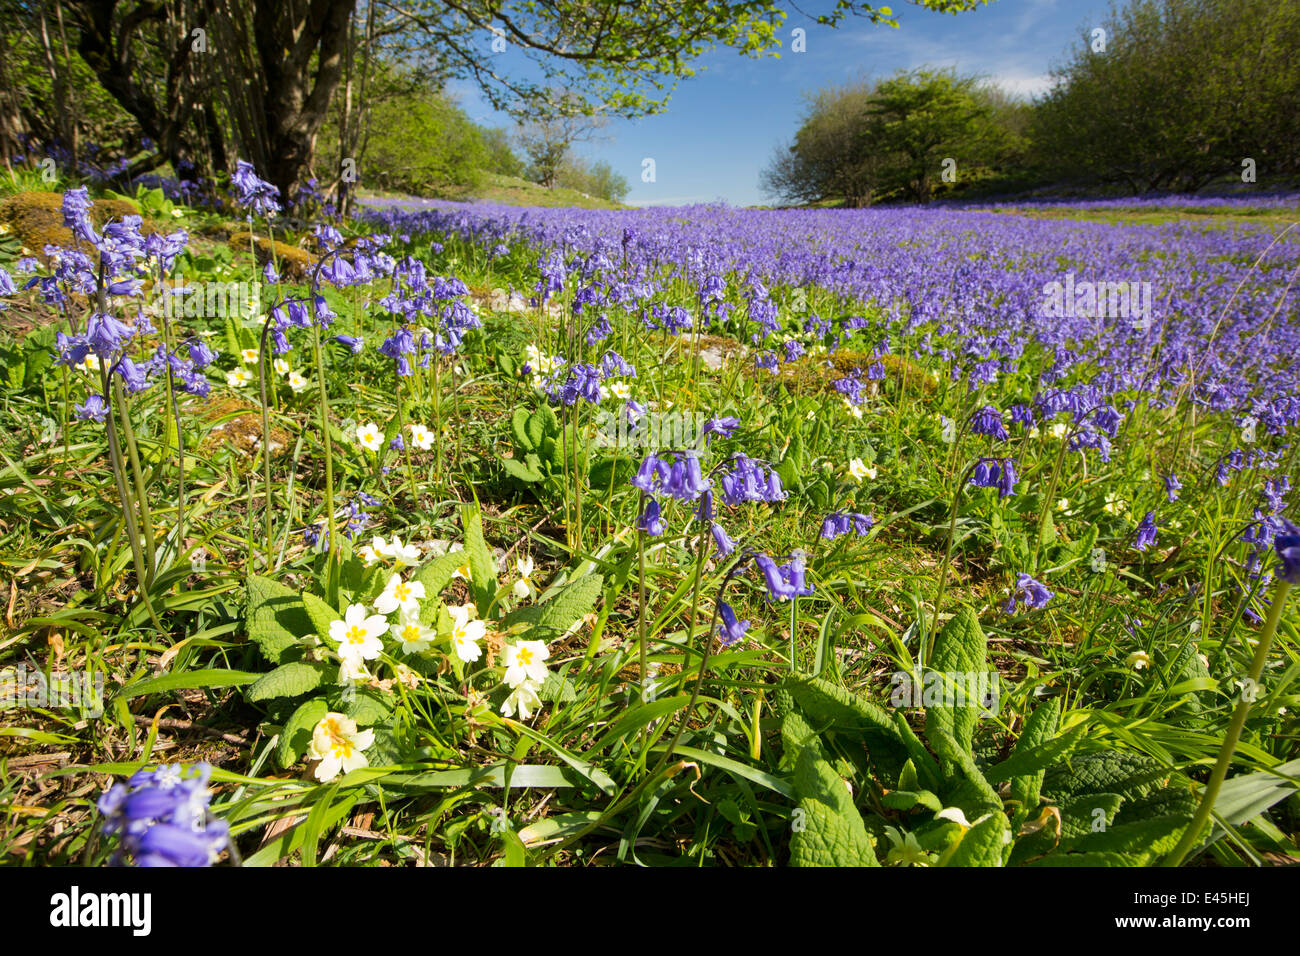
x=524 y=586
x=1138 y=660
x=352 y=671
x=370 y=437
x=280 y=366
x=906 y=850
x=250 y=356
x=338 y=745
x=406 y=595
x=526 y=661
x=858 y=470
x=421 y=437
x=297 y=381
x=413 y=635
x=239 y=378
x=523 y=701
x=358 y=633
x=403 y=555
x=466 y=634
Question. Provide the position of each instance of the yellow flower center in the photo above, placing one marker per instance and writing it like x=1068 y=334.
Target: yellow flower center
x=524 y=656
x=411 y=633
x=356 y=634
x=401 y=592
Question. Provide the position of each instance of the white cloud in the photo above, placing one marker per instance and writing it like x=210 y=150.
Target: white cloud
x=1023 y=84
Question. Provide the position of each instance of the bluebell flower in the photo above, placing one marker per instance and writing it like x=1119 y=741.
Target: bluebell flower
x=721 y=539
x=783 y=581
x=1028 y=593
x=94 y=408
x=1288 y=552
x=650 y=521
x=162 y=818
x=1172 y=486
x=730 y=630
x=650 y=476
x=999 y=473
x=1146 y=532
x=723 y=427
x=259 y=196
x=988 y=421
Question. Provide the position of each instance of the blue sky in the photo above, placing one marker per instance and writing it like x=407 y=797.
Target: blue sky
x=722 y=125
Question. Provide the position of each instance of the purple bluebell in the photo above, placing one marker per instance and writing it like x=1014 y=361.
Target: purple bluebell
x=988 y=421
x=1146 y=532
x=730 y=630
x=1028 y=593
x=650 y=520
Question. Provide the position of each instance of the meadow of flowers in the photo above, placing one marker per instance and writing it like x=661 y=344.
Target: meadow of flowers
x=678 y=536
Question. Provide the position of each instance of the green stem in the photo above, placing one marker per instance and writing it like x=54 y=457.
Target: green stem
x=266 y=442
x=330 y=577
x=1193 y=832
x=124 y=495
x=137 y=478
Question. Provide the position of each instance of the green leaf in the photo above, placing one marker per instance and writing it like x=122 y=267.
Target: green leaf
x=277 y=618
x=961 y=649
x=320 y=613
x=214 y=677
x=554 y=617
x=1245 y=796
x=1131 y=775
x=1039 y=728
x=827 y=828
x=982 y=844
x=1139 y=843
x=295 y=738
x=482 y=565
x=436 y=574
x=528 y=471
x=886 y=735
x=966 y=787
x=519 y=430
x=367 y=706
x=288 y=680
x=557 y=689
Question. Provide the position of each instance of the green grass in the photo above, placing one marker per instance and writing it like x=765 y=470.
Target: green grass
x=753 y=737
x=513 y=191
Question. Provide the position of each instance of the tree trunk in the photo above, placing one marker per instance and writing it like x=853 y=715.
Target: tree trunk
x=296 y=102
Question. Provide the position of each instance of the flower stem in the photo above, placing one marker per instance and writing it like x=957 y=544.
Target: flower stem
x=1193 y=832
